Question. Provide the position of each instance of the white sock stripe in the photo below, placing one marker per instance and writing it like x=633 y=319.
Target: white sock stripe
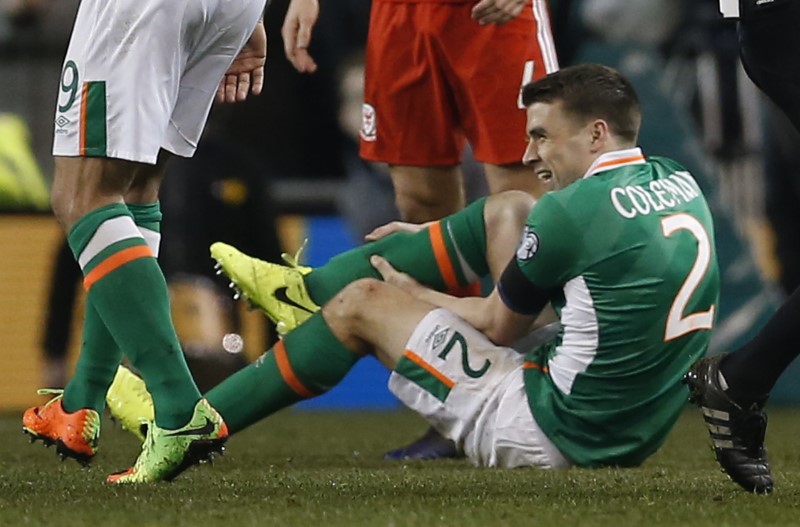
x=153 y=239
x=544 y=36
x=110 y=232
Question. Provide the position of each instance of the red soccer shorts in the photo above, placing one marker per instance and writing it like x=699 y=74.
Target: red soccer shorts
x=435 y=78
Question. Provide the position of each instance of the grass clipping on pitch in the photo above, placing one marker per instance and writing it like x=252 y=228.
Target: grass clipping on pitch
x=310 y=469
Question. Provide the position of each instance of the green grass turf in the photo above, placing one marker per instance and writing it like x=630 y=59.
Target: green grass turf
x=311 y=469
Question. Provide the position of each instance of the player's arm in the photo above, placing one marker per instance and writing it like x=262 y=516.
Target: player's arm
x=549 y=252
x=550 y=249
x=491 y=315
x=296 y=32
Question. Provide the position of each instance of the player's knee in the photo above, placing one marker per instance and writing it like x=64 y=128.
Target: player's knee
x=508 y=208
x=419 y=206
x=82 y=185
x=352 y=303
x=63 y=204
x=429 y=193
x=58 y=204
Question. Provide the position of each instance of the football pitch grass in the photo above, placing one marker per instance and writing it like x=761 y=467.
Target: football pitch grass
x=320 y=469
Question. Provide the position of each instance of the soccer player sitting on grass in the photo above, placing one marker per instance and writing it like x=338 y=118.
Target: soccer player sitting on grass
x=623 y=250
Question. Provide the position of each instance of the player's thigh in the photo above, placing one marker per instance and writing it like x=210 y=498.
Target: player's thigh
x=507 y=434
x=124 y=74
x=489 y=65
x=472 y=392
x=83 y=184
x=370 y=315
x=409 y=116
x=449 y=371
x=216 y=47
x=120 y=79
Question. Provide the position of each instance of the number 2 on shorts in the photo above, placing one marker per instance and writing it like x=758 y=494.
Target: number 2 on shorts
x=677 y=324
x=459 y=339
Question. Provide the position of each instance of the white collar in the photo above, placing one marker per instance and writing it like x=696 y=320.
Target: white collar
x=616 y=159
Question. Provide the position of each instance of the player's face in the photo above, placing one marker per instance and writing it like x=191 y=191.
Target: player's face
x=559 y=149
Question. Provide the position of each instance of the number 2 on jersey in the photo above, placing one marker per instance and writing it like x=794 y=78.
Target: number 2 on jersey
x=677 y=324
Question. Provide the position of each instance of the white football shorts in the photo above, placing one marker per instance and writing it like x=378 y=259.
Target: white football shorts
x=472 y=392
x=141 y=75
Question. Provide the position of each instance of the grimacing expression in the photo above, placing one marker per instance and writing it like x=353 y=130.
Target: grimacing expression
x=559 y=148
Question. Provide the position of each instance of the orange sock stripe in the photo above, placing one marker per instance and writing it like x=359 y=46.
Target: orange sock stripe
x=535 y=366
x=473 y=289
x=419 y=361
x=116 y=261
x=442 y=258
x=285 y=368
x=84 y=106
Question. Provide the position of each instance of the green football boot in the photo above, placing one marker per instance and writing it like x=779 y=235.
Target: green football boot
x=129 y=402
x=167 y=453
x=278 y=290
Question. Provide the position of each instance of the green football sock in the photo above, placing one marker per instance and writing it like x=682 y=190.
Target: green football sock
x=129 y=292
x=447 y=256
x=96 y=366
x=100 y=353
x=307 y=363
x=148 y=219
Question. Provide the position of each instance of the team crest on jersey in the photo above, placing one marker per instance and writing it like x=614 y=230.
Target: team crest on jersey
x=528 y=245
x=369 y=123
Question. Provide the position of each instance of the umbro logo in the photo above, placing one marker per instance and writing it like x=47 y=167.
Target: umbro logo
x=62 y=121
x=439 y=337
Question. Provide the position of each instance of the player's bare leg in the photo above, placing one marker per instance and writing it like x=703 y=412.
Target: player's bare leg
x=371 y=316
x=424 y=194
x=128 y=305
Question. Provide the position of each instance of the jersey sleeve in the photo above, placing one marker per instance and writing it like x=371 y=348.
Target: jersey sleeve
x=549 y=251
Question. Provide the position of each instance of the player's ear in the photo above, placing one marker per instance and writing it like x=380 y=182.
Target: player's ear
x=599 y=134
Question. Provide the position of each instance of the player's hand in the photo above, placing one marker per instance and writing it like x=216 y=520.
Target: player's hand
x=246 y=73
x=296 y=33
x=497 y=11
x=392 y=227
x=393 y=276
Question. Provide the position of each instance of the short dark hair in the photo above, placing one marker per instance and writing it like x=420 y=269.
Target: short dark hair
x=590 y=91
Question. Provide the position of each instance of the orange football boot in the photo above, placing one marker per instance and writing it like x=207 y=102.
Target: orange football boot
x=75 y=434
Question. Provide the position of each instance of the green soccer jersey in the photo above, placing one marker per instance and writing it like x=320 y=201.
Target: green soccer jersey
x=630 y=251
